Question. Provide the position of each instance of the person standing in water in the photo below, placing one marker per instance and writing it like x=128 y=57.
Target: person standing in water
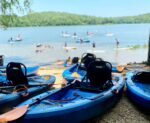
x=65 y=44
x=93 y=45
x=117 y=42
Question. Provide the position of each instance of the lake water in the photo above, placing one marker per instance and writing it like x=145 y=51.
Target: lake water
x=103 y=36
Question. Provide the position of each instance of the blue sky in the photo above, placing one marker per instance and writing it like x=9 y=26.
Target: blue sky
x=101 y=8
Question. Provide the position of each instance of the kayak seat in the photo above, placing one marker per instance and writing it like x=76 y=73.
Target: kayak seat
x=98 y=77
x=99 y=72
x=75 y=60
x=87 y=58
x=143 y=77
x=15 y=73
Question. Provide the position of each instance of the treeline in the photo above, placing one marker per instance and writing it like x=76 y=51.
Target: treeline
x=61 y=18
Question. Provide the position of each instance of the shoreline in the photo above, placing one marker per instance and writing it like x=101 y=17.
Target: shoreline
x=122 y=56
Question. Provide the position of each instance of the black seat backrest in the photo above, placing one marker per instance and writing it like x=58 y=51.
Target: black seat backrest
x=75 y=60
x=99 y=72
x=15 y=73
x=143 y=77
x=87 y=58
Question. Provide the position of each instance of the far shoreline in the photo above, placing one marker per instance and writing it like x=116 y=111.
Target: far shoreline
x=73 y=25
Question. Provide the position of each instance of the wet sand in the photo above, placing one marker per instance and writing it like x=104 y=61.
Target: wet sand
x=123 y=112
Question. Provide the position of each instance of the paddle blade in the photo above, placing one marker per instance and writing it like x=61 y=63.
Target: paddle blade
x=14 y=114
x=120 y=68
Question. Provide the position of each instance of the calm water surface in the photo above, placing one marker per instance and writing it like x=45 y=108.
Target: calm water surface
x=103 y=36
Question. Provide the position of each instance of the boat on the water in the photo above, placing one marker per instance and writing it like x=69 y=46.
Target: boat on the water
x=16 y=39
x=65 y=34
x=109 y=34
x=70 y=48
x=83 y=40
x=138 y=88
x=76 y=102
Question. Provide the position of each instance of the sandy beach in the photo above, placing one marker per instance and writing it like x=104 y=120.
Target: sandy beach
x=123 y=112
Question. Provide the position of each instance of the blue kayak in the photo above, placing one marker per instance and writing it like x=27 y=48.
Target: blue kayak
x=10 y=96
x=71 y=104
x=138 y=92
x=69 y=75
x=31 y=71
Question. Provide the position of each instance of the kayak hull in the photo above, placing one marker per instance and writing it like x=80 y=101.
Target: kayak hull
x=138 y=92
x=78 y=110
x=10 y=100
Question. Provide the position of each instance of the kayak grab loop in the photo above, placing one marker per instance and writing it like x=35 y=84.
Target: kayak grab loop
x=115 y=91
x=23 y=88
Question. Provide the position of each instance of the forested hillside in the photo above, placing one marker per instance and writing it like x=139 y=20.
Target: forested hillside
x=61 y=18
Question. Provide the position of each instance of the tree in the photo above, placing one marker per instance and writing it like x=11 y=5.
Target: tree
x=10 y=8
x=148 y=58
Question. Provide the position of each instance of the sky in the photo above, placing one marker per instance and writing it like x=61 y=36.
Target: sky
x=100 y=8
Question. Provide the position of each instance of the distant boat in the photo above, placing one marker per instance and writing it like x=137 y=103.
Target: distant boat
x=70 y=48
x=39 y=45
x=109 y=34
x=11 y=42
x=65 y=35
x=96 y=51
x=83 y=41
x=74 y=36
x=90 y=33
x=18 y=38
x=123 y=48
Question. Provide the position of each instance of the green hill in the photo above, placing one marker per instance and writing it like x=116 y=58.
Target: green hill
x=61 y=18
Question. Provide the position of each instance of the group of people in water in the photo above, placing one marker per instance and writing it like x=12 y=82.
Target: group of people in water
x=93 y=44
x=41 y=47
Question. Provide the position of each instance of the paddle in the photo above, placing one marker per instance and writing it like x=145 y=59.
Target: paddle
x=20 y=111
x=120 y=68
